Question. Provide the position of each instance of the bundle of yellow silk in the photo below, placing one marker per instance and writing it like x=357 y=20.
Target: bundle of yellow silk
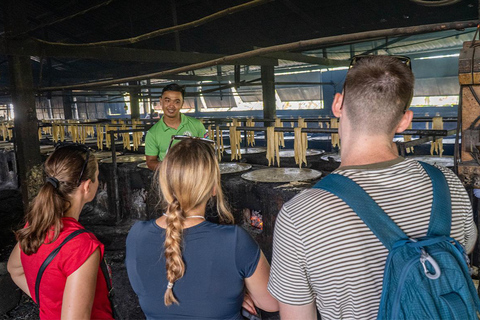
x=136 y=135
x=219 y=139
x=281 y=138
x=235 y=141
x=335 y=137
x=437 y=145
x=125 y=136
x=250 y=134
x=408 y=138
x=108 y=139
x=272 y=146
x=300 y=146
x=99 y=136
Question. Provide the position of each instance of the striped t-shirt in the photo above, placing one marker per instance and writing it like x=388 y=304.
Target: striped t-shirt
x=323 y=251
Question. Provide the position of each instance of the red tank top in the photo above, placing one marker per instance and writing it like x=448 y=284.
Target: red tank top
x=72 y=255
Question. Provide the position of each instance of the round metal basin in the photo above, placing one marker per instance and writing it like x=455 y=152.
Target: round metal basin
x=276 y=175
x=290 y=153
x=253 y=150
x=126 y=158
x=6 y=146
x=335 y=157
x=46 y=149
x=233 y=167
x=142 y=165
x=104 y=154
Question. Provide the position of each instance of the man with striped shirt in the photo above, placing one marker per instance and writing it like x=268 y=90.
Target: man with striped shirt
x=324 y=256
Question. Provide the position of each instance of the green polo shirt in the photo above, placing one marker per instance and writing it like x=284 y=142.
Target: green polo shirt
x=159 y=136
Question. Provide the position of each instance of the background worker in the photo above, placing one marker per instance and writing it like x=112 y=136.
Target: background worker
x=172 y=123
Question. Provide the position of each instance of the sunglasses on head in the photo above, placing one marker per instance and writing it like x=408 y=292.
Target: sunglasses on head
x=403 y=59
x=183 y=137
x=76 y=147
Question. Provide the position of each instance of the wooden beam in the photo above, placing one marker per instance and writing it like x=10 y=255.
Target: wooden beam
x=293 y=46
x=31 y=47
x=299 y=57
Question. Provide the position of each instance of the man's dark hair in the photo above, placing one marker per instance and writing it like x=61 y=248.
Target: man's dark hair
x=174 y=87
x=377 y=91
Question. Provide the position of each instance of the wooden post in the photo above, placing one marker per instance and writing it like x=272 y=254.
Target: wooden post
x=27 y=146
x=470 y=137
x=268 y=92
x=67 y=104
x=134 y=102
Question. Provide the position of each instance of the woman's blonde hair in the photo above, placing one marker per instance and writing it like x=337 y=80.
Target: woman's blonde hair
x=188 y=176
x=63 y=168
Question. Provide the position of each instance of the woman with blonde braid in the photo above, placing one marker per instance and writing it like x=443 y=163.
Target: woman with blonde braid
x=72 y=285
x=183 y=267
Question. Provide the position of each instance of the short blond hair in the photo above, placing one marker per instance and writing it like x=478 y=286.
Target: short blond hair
x=377 y=91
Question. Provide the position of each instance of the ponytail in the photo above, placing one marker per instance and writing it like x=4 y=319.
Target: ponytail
x=65 y=168
x=173 y=249
x=44 y=215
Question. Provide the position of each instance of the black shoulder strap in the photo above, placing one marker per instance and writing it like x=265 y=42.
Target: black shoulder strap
x=49 y=259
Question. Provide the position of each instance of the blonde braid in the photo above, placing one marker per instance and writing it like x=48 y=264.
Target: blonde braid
x=173 y=248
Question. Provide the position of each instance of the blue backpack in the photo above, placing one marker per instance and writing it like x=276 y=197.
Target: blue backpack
x=424 y=278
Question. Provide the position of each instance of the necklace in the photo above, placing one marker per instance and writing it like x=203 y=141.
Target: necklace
x=189 y=217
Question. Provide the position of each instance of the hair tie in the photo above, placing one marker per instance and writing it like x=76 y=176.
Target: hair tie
x=170 y=285
x=53 y=181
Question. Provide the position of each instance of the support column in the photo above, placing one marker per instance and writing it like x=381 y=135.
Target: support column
x=27 y=146
x=134 y=102
x=67 y=105
x=268 y=92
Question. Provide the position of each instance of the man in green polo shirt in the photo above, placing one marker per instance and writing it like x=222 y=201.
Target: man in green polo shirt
x=172 y=123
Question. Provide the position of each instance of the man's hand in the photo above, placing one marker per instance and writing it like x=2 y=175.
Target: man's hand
x=152 y=162
x=248 y=304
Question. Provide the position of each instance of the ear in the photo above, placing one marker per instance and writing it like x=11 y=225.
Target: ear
x=405 y=122
x=86 y=186
x=337 y=105
x=214 y=191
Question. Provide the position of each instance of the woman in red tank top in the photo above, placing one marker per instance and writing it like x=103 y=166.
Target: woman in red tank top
x=72 y=286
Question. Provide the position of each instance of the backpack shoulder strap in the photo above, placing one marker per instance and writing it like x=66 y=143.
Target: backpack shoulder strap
x=441 y=215
x=364 y=206
x=49 y=259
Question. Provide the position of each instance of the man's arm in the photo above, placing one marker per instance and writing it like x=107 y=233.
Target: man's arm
x=152 y=162
x=151 y=151
x=288 y=282
x=257 y=286
x=305 y=312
